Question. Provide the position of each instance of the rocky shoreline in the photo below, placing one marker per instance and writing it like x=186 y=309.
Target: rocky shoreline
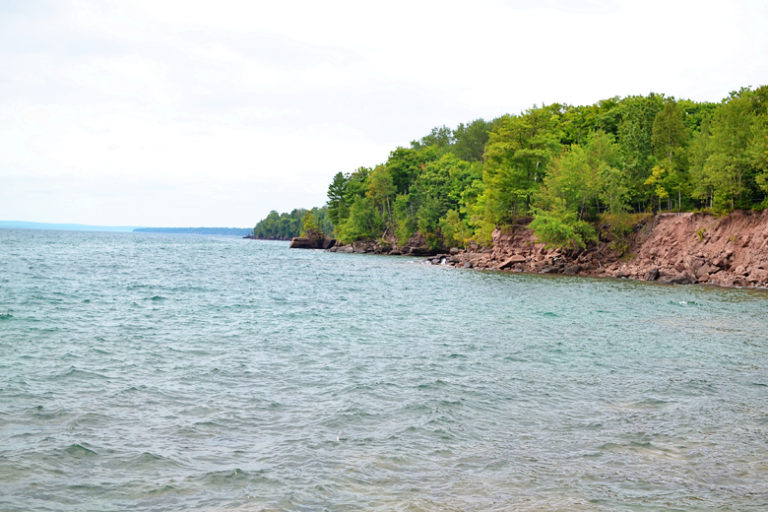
x=684 y=248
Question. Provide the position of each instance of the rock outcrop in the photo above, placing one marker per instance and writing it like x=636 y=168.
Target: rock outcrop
x=670 y=248
x=301 y=242
x=415 y=246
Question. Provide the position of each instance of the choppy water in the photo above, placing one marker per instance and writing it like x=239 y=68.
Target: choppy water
x=172 y=372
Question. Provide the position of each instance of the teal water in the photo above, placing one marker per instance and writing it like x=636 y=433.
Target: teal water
x=175 y=372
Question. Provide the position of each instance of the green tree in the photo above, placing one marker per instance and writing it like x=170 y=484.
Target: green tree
x=282 y=226
x=470 y=139
x=559 y=227
x=309 y=228
x=669 y=140
x=381 y=191
x=657 y=180
x=404 y=165
x=363 y=223
x=579 y=178
x=440 y=137
x=572 y=192
x=726 y=166
x=454 y=230
x=518 y=151
x=338 y=200
x=759 y=152
x=635 y=134
x=405 y=215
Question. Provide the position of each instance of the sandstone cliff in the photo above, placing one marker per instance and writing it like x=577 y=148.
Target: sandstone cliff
x=671 y=248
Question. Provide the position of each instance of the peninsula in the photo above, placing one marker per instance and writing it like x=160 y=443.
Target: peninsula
x=645 y=187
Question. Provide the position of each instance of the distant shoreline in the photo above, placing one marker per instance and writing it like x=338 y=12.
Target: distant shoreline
x=198 y=231
x=20 y=224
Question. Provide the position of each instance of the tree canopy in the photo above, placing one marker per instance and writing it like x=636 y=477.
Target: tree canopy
x=561 y=166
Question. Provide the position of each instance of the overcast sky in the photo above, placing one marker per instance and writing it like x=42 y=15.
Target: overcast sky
x=191 y=113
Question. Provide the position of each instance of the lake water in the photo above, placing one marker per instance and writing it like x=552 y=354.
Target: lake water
x=175 y=372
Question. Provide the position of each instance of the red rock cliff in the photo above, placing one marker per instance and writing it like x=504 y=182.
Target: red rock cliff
x=672 y=248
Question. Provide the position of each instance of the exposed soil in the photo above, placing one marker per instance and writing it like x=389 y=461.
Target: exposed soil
x=672 y=248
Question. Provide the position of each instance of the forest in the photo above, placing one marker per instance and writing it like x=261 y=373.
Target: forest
x=284 y=226
x=564 y=169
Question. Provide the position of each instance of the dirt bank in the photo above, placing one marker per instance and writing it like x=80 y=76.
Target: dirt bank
x=672 y=248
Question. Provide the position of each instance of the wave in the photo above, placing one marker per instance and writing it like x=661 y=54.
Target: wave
x=78 y=450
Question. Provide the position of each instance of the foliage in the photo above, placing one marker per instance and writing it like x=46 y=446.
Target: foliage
x=284 y=226
x=279 y=226
x=364 y=221
x=309 y=228
x=561 y=227
x=454 y=230
x=635 y=140
x=728 y=158
x=518 y=151
x=618 y=228
x=567 y=166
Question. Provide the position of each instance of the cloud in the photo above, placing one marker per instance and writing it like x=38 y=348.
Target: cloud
x=187 y=113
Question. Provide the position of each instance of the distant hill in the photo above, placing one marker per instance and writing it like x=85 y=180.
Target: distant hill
x=198 y=231
x=20 y=224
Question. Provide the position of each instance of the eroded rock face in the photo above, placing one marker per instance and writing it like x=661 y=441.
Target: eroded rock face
x=415 y=246
x=672 y=248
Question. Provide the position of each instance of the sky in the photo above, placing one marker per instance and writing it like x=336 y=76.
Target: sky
x=185 y=113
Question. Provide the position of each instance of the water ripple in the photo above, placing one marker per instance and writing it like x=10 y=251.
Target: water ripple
x=154 y=372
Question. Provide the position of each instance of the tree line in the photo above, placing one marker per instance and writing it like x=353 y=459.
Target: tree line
x=562 y=167
x=284 y=226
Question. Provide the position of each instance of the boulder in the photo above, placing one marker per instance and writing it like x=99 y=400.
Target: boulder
x=420 y=251
x=652 y=274
x=676 y=278
x=572 y=270
x=362 y=246
x=758 y=277
x=512 y=260
x=302 y=242
x=740 y=270
x=702 y=273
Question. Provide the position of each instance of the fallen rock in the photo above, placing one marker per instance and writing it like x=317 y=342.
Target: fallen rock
x=665 y=248
x=420 y=251
x=703 y=272
x=512 y=260
x=652 y=274
x=572 y=270
x=674 y=278
x=758 y=277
